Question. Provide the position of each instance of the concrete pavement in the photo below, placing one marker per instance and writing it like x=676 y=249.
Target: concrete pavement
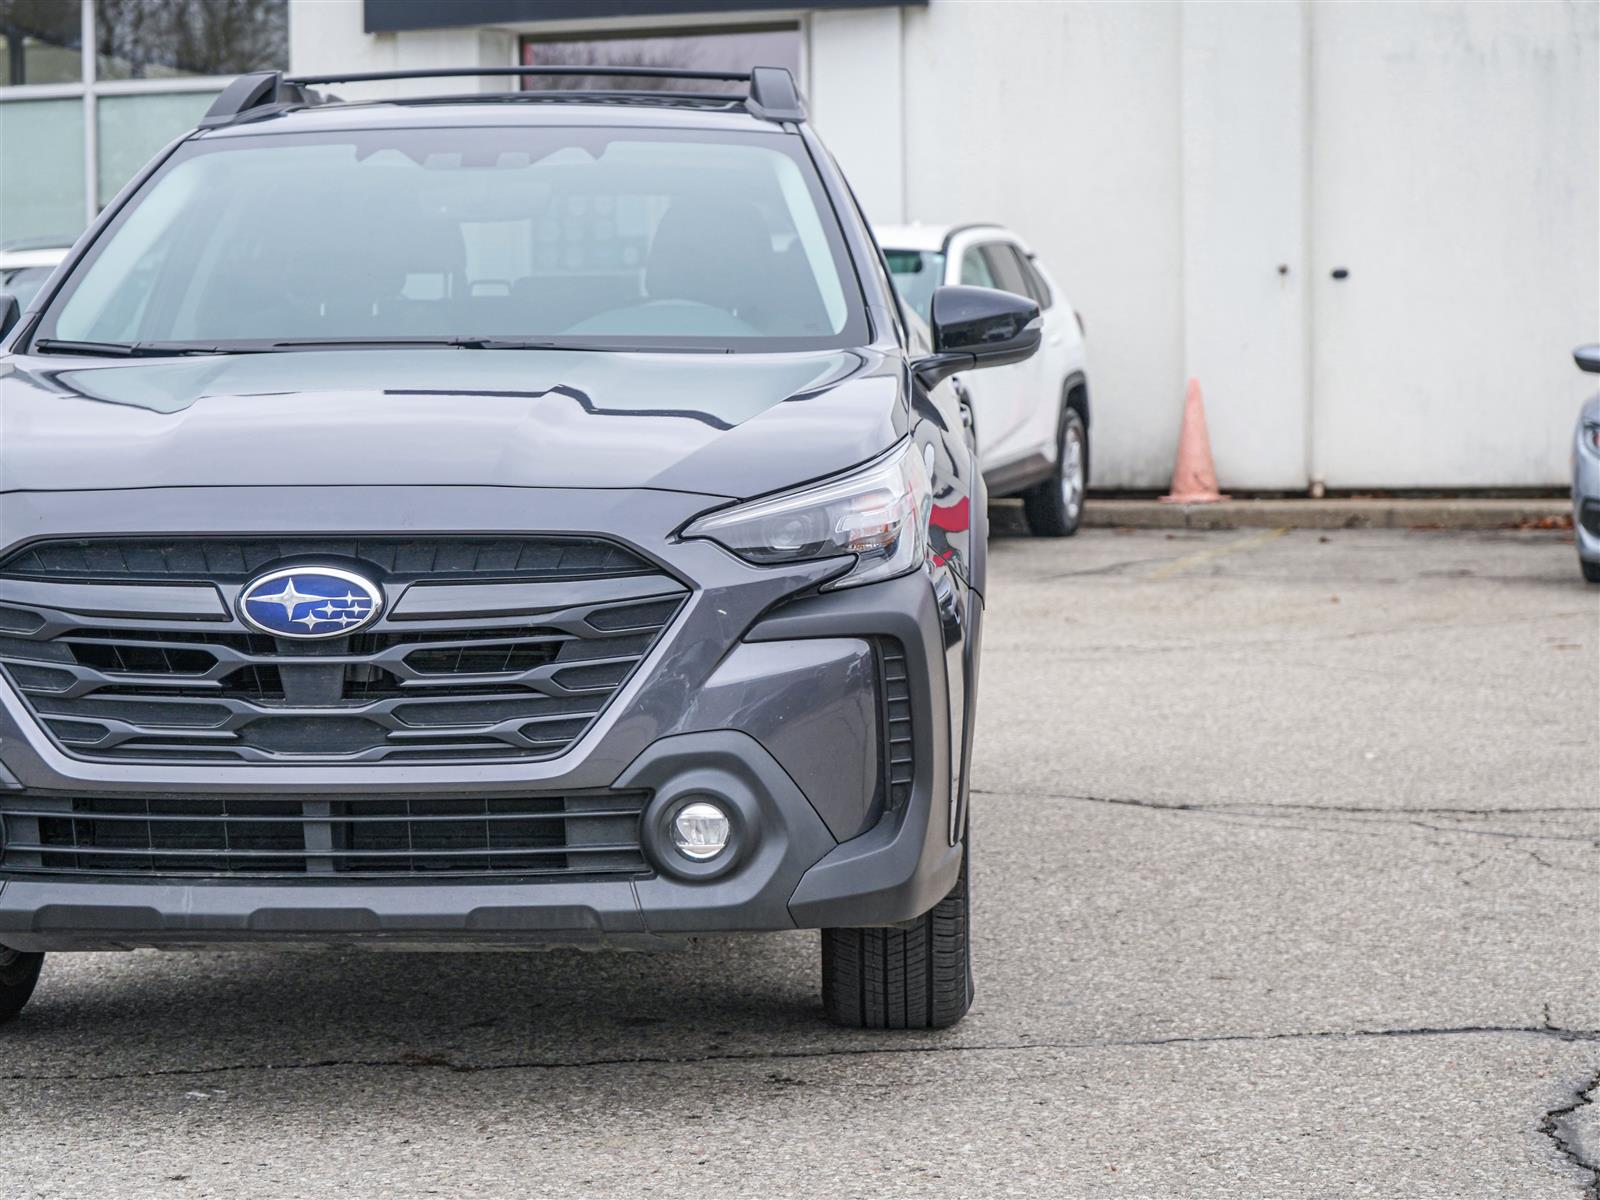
x=1287 y=884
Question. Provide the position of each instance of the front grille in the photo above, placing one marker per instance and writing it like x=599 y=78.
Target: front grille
x=894 y=690
x=193 y=558
x=582 y=833
x=471 y=686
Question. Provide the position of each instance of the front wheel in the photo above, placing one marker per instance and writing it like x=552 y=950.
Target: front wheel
x=1054 y=508
x=19 y=973
x=919 y=977
x=1591 y=570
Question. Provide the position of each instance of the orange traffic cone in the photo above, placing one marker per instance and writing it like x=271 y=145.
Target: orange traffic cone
x=1194 y=477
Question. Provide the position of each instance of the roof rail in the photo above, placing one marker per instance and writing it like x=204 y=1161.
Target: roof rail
x=772 y=95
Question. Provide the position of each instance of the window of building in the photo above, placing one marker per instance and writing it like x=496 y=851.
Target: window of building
x=40 y=42
x=91 y=89
x=164 y=39
x=718 y=49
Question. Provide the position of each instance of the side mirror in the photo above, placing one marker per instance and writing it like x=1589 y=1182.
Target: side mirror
x=1587 y=358
x=10 y=313
x=978 y=327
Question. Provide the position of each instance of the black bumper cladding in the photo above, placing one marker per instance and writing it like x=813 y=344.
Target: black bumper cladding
x=321 y=837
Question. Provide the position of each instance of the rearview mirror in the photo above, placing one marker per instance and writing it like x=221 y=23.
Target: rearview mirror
x=1587 y=358
x=978 y=327
x=10 y=313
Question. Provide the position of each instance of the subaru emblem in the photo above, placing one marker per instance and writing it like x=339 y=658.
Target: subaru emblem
x=309 y=602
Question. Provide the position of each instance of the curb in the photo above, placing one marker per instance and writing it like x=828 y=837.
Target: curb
x=1553 y=513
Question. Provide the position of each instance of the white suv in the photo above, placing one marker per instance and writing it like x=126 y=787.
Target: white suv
x=1031 y=420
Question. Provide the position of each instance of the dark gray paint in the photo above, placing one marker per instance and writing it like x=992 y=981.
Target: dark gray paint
x=435 y=600
x=814 y=705
x=704 y=423
x=624 y=446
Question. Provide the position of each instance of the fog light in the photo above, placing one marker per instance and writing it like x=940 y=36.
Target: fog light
x=700 y=831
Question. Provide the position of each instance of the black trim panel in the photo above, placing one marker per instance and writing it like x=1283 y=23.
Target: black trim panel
x=391 y=16
x=1018 y=476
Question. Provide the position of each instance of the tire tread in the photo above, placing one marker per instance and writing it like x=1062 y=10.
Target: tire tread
x=19 y=974
x=916 y=977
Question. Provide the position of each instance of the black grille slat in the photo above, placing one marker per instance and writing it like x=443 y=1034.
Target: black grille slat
x=489 y=685
x=321 y=836
x=899 y=763
x=204 y=559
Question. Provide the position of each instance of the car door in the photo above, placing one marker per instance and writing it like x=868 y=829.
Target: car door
x=1026 y=392
x=1060 y=356
x=999 y=394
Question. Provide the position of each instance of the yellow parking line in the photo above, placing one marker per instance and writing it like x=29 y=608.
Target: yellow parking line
x=1190 y=560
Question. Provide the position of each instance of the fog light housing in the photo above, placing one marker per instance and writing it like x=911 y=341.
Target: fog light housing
x=701 y=830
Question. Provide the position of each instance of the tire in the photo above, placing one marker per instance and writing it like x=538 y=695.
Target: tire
x=1054 y=508
x=1591 y=570
x=19 y=973
x=915 y=977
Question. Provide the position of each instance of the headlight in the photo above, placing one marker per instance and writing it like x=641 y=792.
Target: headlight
x=1591 y=434
x=878 y=512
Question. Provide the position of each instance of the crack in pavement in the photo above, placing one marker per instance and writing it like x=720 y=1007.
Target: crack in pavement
x=1190 y=805
x=1091 y=652
x=1557 y=1125
x=1277 y=814
x=439 y=1062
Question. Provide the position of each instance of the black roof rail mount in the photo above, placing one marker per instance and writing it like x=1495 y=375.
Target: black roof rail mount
x=772 y=95
x=255 y=95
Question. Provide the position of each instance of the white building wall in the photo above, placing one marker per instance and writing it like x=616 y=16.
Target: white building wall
x=326 y=36
x=1063 y=122
x=1167 y=159
x=855 y=88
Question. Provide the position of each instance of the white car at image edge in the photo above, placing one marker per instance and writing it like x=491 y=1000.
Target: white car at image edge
x=1030 y=420
x=25 y=265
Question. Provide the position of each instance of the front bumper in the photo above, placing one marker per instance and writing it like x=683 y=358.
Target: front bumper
x=754 y=696
x=1586 y=493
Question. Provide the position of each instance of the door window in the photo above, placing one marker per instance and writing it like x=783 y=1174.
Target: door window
x=1006 y=269
x=975 y=269
x=1037 y=287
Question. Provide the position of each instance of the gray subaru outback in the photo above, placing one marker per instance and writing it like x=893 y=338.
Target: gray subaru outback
x=492 y=521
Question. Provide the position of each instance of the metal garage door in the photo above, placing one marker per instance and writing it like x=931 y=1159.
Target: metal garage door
x=1451 y=176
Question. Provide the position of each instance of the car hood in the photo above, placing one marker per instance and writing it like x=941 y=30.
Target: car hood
x=714 y=424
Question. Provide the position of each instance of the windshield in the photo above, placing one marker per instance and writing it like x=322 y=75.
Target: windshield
x=916 y=273
x=599 y=237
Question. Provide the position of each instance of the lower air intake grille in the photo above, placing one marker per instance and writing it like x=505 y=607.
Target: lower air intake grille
x=894 y=686
x=321 y=836
x=1589 y=517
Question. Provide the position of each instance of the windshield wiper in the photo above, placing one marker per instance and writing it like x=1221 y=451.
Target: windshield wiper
x=373 y=343
x=494 y=343
x=464 y=343
x=123 y=349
